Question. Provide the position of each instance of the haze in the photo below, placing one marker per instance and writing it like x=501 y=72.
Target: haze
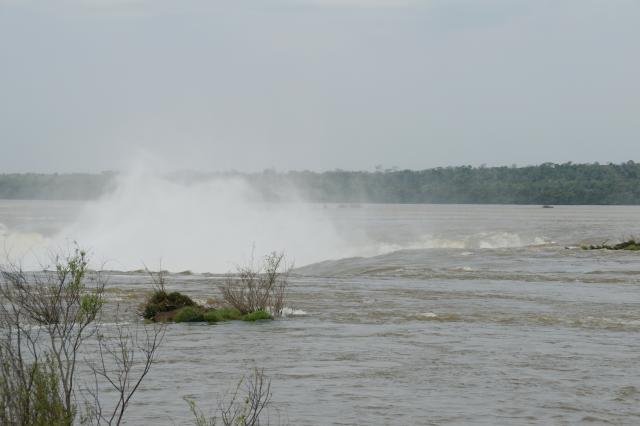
x=304 y=84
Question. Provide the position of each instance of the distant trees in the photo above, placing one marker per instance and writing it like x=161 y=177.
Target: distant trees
x=35 y=186
x=548 y=183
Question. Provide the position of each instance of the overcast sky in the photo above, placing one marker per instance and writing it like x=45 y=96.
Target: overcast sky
x=317 y=84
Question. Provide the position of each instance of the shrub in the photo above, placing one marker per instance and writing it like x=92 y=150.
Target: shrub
x=173 y=299
x=257 y=315
x=161 y=301
x=38 y=400
x=150 y=310
x=47 y=319
x=189 y=314
x=211 y=316
x=240 y=407
x=263 y=289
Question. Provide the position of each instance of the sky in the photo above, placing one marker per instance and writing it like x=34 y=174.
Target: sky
x=92 y=85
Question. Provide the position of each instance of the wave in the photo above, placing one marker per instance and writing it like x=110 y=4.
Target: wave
x=291 y=312
x=417 y=259
x=480 y=240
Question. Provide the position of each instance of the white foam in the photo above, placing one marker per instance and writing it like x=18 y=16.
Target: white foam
x=290 y=312
x=481 y=240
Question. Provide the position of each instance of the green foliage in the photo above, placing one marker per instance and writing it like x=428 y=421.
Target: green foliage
x=91 y=304
x=222 y=314
x=48 y=407
x=200 y=419
x=189 y=314
x=33 y=399
x=45 y=319
x=548 y=183
x=177 y=307
x=173 y=299
x=211 y=316
x=161 y=301
x=257 y=315
x=37 y=367
x=150 y=310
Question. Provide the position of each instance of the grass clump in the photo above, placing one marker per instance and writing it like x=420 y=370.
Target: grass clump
x=257 y=316
x=222 y=314
x=189 y=314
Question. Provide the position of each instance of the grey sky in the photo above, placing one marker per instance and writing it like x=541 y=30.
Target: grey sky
x=317 y=84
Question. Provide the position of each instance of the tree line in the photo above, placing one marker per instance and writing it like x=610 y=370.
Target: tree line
x=56 y=186
x=548 y=183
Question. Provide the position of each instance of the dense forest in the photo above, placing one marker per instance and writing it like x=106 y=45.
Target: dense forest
x=543 y=184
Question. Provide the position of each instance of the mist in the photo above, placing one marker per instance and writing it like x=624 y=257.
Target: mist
x=208 y=226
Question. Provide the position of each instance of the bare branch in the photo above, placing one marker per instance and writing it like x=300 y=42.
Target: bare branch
x=252 y=289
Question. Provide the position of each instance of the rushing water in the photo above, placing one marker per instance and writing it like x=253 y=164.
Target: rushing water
x=451 y=315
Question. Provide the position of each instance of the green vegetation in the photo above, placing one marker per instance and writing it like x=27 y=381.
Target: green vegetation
x=188 y=314
x=258 y=289
x=48 y=320
x=222 y=314
x=176 y=307
x=257 y=315
x=548 y=183
x=161 y=301
x=36 y=401
x=252 y=294
x=625 y=245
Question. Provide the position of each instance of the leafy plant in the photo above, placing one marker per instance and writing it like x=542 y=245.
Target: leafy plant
x=189 y=314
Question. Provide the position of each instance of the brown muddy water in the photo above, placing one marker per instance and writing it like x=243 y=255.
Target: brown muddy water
x=452 y=315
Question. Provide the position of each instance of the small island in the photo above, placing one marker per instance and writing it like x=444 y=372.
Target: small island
x=252 y=294
x=162 y=306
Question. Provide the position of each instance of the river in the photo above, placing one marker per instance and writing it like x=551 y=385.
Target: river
x=442 y=314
